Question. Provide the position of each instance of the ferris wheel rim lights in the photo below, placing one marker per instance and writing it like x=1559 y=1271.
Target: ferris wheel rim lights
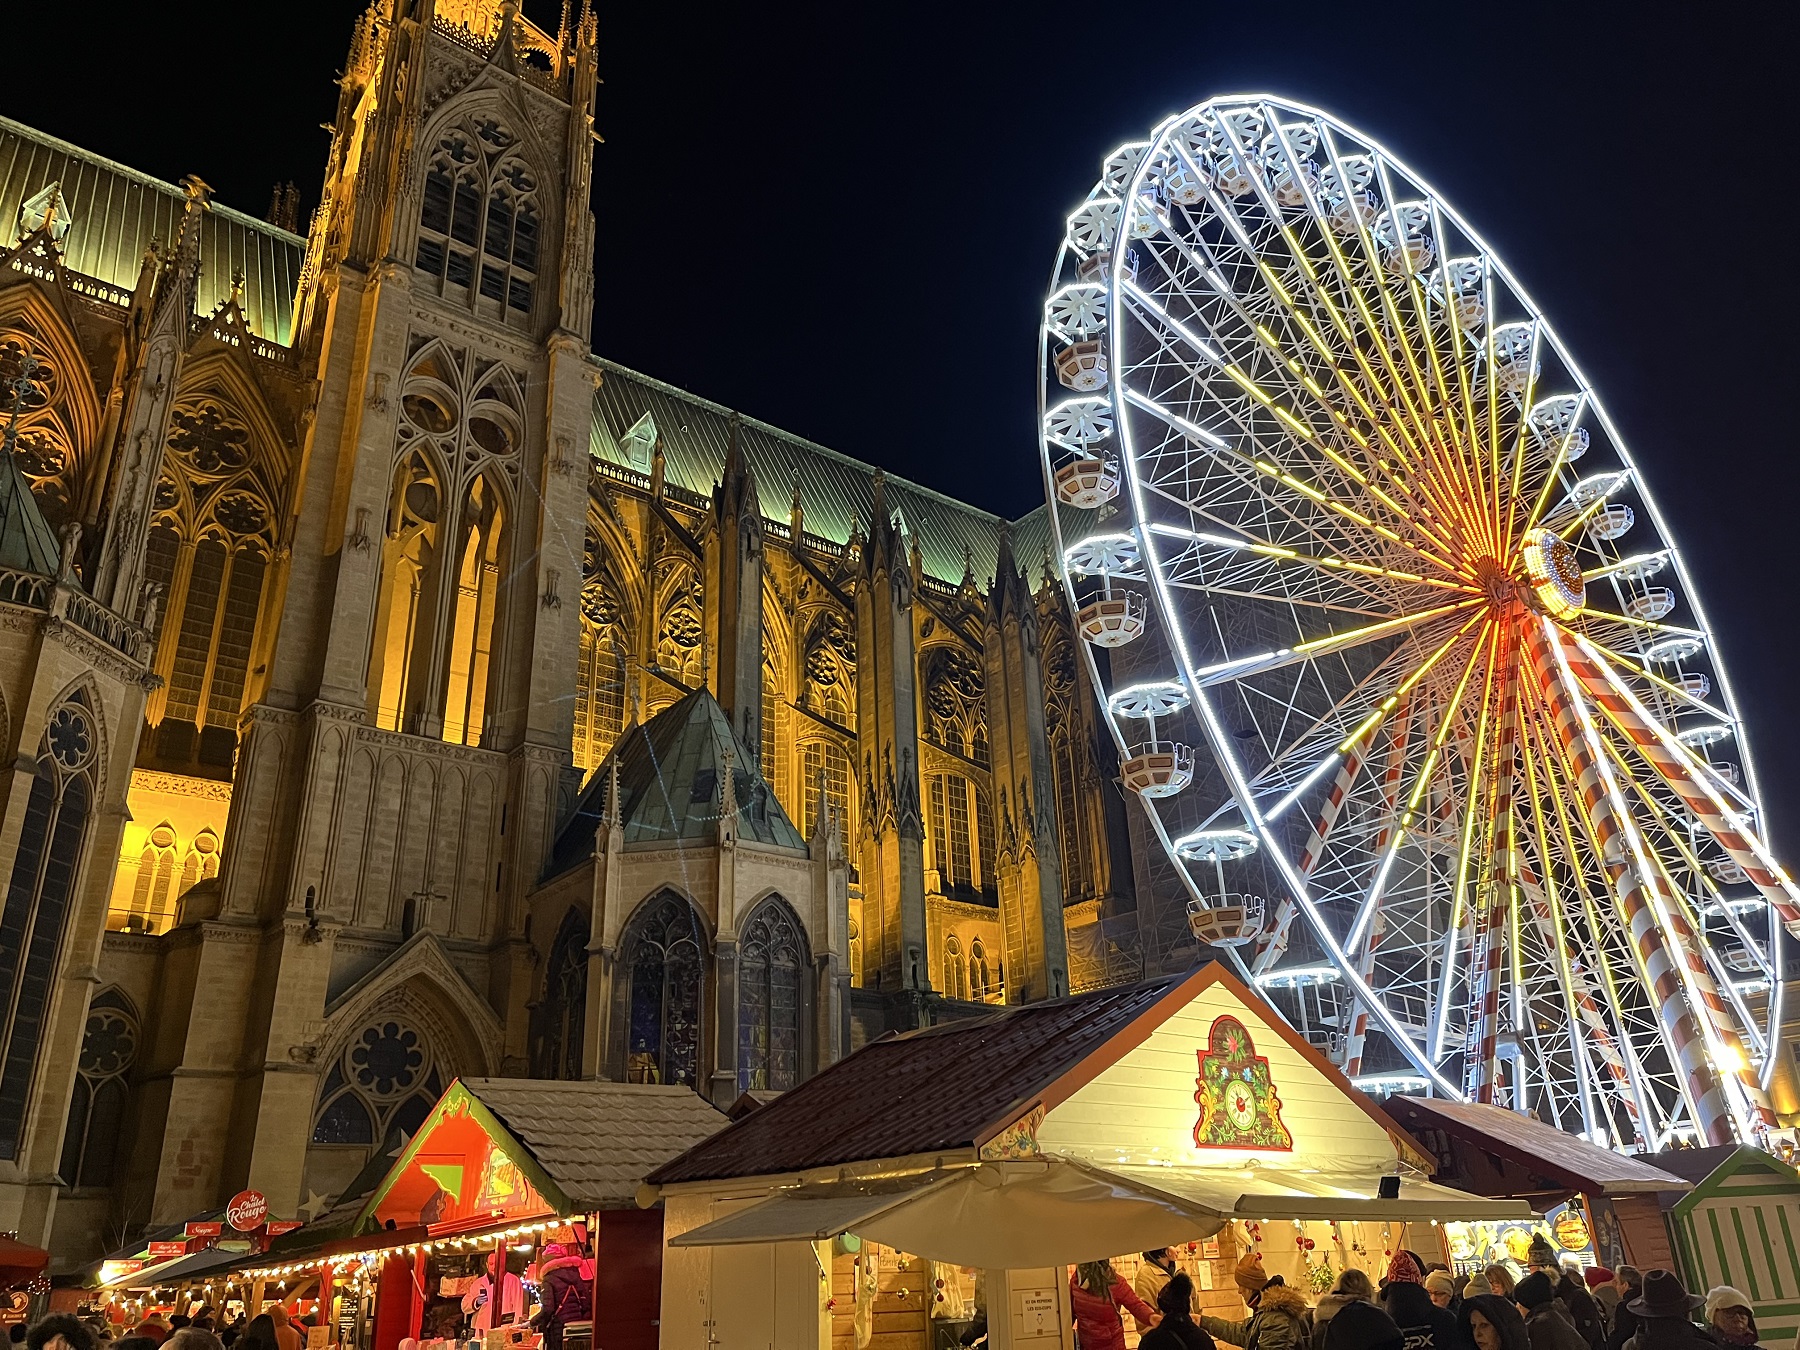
x=1237 y=160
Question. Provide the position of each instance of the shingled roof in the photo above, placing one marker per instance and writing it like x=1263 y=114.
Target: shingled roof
x=597 y=1141
x=669 y=787
x=1544 y=1149
x=940 y=1088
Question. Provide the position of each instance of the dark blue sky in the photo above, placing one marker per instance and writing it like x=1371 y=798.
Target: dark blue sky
x=841 y=219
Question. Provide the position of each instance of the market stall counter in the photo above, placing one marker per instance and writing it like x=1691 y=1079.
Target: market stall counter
x=955 y=1173
x=516 y=1197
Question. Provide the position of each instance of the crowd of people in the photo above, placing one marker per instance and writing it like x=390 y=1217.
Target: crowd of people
x=205 y=1330
x=1416 y=1306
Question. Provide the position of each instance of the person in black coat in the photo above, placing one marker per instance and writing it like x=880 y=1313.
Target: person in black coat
x=1625 y=1323
x=1492 y=1322
x=1362 y=1326
x=1546 y=1319
x=1177 y=1330
x=1423 y=1324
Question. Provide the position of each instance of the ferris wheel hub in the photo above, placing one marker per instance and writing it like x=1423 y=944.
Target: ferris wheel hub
x=1554 y=573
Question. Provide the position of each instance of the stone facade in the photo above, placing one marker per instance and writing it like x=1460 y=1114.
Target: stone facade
x=386 y=626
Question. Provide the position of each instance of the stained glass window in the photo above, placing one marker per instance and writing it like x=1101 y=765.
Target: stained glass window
x=563 y=1013
x=370 y=1092
x=827 y=758
x=97 y=1107
x=52 y=832
x=772 y=961
x=665 y=956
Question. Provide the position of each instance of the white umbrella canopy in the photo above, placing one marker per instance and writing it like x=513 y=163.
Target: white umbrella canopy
x=1026 y=1214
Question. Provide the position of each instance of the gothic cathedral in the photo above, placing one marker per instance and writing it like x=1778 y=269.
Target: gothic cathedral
x=396 y=690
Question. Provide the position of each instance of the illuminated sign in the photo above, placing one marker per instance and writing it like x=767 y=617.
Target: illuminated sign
x=1238 y=1105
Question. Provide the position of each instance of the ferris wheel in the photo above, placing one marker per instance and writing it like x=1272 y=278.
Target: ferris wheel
x=1399 y=655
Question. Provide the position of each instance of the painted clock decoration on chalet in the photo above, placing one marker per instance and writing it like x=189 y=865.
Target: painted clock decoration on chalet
x=1238 y=1105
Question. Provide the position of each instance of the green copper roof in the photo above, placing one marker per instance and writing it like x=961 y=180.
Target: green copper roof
x=27 y=543
x=669 y=787
x=632 y=412
x=115 y=212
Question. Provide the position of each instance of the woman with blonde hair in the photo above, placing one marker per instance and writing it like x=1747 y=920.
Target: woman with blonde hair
x=1096 y=1292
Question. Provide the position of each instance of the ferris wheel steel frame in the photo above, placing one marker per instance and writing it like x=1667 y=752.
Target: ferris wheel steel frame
x=1315 y=436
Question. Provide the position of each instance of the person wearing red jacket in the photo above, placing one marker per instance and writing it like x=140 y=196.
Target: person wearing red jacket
x=1096 y=1293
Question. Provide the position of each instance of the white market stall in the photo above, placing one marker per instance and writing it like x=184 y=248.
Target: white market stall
x=1177 y=1112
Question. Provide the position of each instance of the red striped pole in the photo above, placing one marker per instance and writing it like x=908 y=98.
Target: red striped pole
x=1682 y=771
x=1678 y=979
x=1270 y=948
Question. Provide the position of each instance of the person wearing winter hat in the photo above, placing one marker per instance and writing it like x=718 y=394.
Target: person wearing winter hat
x=1423 y=1324
x=1478 y=1285
x=1540 y=1255
x=1583 y=1310
x=1600 y=1284
x=1546 y=1320
x=1362 y=1326
x=1353 y=1286
x=1441 y=1285
x=567 y=1291
x=1490 y=1322
x=1729 y=1316
x=1177 y=1330
x=1278 y=1316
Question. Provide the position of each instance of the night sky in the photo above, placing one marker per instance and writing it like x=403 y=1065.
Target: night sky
x=841 y=219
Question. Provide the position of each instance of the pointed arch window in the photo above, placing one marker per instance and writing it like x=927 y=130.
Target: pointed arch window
x=825 y=762
x=666 y=957
x=97 y=1108
x=562 y=1015
x=960 y=834
x=409 y=559
x=956 y=969
x=208 y=549
x=984 y=987
x=480 y=561
x=479 y=223
x=52 y=837
x=436 y=656
x=600 y=662
x=384 y=1082
x=772 y=965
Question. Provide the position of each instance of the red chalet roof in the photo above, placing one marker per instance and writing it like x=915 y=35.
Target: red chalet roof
x=940 y=1088
x=1543 y=1149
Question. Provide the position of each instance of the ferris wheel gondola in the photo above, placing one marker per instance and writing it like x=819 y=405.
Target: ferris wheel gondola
x=1391 y=632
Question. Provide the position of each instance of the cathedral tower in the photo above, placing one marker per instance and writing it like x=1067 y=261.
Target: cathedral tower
x=411 y=710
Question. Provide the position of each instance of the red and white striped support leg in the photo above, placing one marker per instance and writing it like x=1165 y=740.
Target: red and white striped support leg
x=1683 y=992
x=1681 y=770
x=1270 y=948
